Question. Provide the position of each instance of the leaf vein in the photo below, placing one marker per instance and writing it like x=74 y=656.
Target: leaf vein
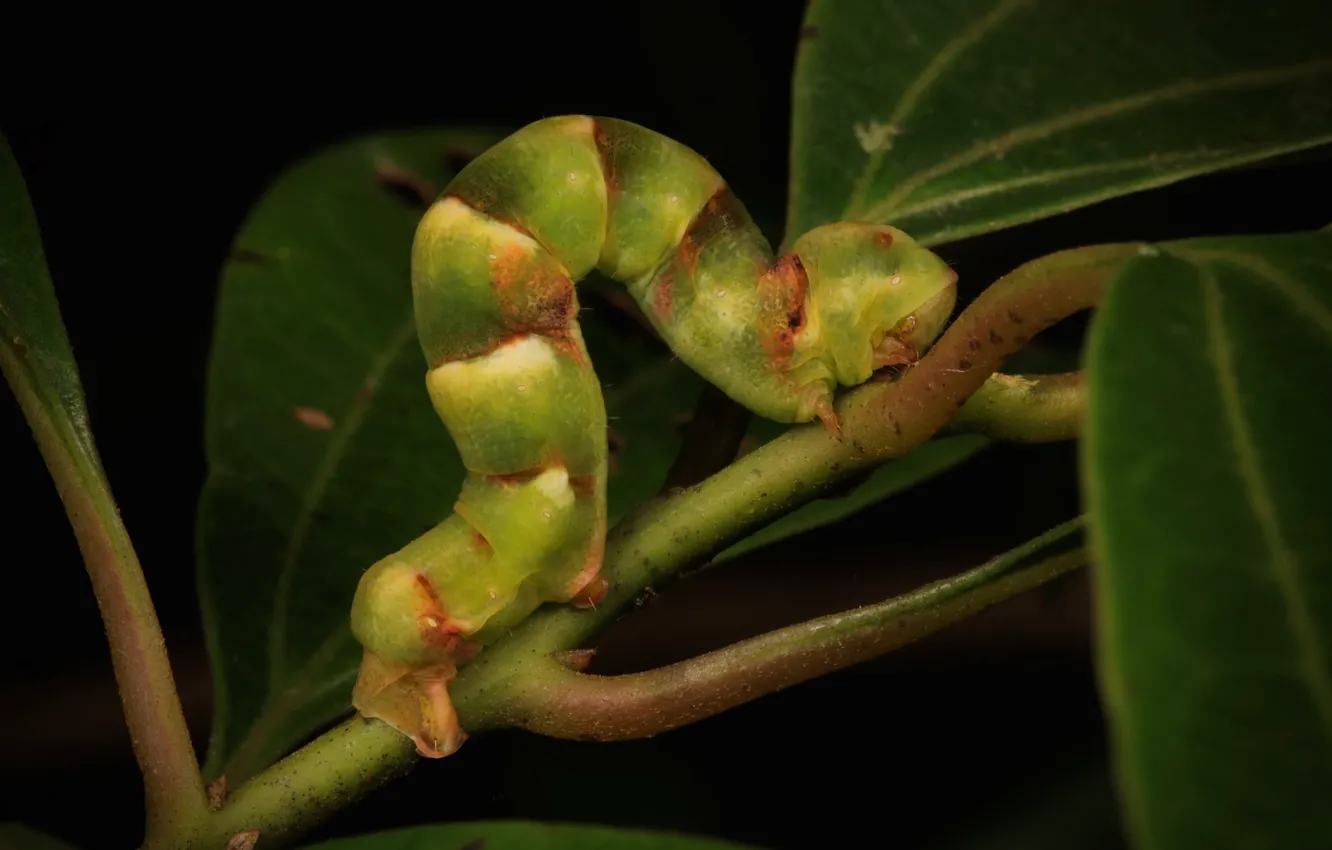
x=1039 y=130
x=929 y=75
x=1282 y=561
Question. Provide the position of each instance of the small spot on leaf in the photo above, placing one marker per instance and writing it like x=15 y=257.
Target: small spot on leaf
x=313 y=418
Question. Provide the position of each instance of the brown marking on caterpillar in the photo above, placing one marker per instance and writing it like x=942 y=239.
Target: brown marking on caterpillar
x=583 y=485
x=412 y=189
x=536 y=297
x=717 y=216
x=313 y=418
x=1014 y=317
x=480 y=539
x=995 y=338
x=964 y=364
x=782 y=289
x=607 y=155
x=973 y=344
x=884 y=238
x=437 y=628
x=661 y=295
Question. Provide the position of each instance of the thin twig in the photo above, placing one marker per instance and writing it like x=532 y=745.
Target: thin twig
x=562 y=703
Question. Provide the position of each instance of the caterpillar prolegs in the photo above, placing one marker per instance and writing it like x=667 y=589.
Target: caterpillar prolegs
x=494 y=266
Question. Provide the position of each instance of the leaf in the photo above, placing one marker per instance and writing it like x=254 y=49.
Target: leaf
x=521 y=835
x=895 y=476
x=958 y=117
x=324 y=451
x=1206 y=463
x=16 y=836
x=34 y=347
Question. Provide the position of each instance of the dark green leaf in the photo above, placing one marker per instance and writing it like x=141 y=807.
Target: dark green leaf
x=891 y=478
x=1207 y=461
x=519 y=835
x=325 y=453
x=34 y=348
x=957 y=117
x=16 y=836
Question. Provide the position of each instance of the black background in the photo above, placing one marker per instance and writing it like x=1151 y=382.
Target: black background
x=142 y=155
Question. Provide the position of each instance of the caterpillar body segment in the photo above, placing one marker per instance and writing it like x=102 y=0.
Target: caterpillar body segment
x=494 y=266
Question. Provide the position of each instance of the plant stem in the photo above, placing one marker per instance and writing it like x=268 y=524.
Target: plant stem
x=331 y=772
x=879 y=421
x=173 y=788
x=556 y=701
x=1024 y=408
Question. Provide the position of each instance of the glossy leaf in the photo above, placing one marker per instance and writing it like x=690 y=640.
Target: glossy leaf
x=1207 y=463
x=34 y=347
x=325 y=453
x=957 y=117
x=523 y=835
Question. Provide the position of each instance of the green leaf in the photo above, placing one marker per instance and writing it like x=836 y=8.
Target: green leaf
x=958 y=117
x=324 y=451
x=521 y=835
x=34 y=348
x=891 y=478
x=1206 y=462
x=16 y=836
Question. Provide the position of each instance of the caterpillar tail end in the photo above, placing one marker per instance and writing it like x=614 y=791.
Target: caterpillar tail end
x=413 y=701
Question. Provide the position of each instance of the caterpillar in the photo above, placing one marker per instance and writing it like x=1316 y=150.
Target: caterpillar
x=494 y=264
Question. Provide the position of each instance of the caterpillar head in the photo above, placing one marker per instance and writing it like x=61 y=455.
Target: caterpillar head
x=876 y=297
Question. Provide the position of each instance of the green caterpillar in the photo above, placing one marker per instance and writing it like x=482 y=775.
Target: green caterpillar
x=494 y=266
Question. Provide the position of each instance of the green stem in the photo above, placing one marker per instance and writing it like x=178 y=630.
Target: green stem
x=1025 y=408
x=330 y=773
x=556 y=701
x=879 y=421
x=173 y=788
